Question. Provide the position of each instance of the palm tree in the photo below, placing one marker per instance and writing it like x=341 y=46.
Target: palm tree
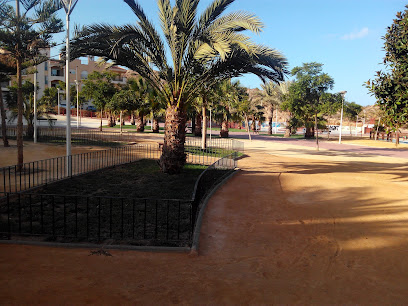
x=204 y=50
x=226 y=92
x=142 y=92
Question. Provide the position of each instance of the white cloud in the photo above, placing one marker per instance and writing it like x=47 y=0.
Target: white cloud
x=356 y=35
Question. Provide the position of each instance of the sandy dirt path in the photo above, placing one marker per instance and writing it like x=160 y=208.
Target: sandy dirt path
x=295 y=226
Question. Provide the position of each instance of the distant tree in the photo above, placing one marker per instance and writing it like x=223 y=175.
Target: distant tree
x=100 y=89
x=305 y=99
x=351 y=111
x=23 y=33
x=122 y=101
x=43 y=108
x=390 y=87
x=7 y=68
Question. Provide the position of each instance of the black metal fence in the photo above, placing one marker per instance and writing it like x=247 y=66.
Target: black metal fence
x=78 y=135
x=71 y=218
x=98 y=219
x=95 y=219
x=94 y=136
x=38 y=173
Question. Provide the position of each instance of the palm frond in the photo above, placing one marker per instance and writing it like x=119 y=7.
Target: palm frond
x=213 y=12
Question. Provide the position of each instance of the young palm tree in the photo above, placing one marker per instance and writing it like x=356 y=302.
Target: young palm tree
x=227 y=92
x=204 y=50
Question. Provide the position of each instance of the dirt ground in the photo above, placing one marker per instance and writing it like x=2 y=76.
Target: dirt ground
x=295 y=226
x=38 y=151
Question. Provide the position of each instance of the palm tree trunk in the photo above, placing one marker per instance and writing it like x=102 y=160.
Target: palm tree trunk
x=156 y=127
x=317 y=134
x=247 y=125
x=204 y=130
x=100 y=127
x=139 y=123
x=224 y=132
x=3 y=121
x=121 y=122
x=198 y=127
x=287 y=128
x=173 y=156
x=193 y=124
x=270 y=125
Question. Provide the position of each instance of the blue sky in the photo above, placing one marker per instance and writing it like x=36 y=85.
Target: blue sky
x=344 y=35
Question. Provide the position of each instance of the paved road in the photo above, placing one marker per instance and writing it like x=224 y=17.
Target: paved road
x=330 y=145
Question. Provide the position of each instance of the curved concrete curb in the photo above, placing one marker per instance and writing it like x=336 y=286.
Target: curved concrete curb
x=100 y=246
x=197 y=230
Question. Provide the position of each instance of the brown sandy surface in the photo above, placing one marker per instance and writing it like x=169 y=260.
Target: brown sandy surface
x=294 y=227
x=38 y=151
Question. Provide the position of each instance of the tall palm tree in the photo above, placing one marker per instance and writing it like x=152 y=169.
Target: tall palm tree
x=204 y=50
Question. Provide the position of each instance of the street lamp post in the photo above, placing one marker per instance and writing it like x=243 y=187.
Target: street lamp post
x=35 y=105
x=343 y=93
x=58 y=90
x=77 y=98
x=69 y=6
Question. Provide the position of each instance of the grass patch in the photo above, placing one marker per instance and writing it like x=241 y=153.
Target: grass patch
x=130 y=127
x=211 y=152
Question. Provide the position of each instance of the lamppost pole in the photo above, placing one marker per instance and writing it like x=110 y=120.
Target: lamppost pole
x=68 y=7
x=58 y=90
x=343 y=93
x=35 y=105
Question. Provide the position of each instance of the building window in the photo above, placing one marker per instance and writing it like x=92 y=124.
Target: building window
x=84 y=75
x=46 y=80
x=45 y=66
x=72 y=71
x=56 y=72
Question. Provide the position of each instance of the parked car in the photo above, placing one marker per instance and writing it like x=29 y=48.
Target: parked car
x=65 y=106
x=91 y=108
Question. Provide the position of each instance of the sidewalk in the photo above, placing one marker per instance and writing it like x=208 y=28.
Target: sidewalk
x=292 y=227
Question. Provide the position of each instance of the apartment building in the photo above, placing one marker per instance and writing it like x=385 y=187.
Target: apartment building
x=50 y=72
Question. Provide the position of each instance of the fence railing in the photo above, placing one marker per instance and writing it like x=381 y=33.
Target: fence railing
x=94 y=136
x=68 y=218
x=78 y=135
x=148 y=221
x=34 y=174
x=391 y=136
